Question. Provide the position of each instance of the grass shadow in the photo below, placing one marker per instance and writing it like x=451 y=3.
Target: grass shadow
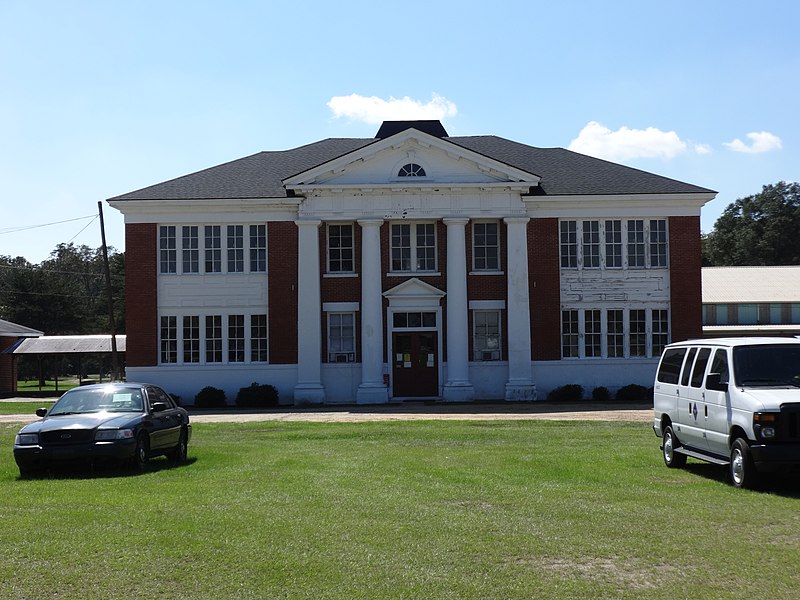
x=104 y=470
x=781 y=484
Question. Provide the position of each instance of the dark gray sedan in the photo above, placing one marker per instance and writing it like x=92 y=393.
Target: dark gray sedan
x=128 y=422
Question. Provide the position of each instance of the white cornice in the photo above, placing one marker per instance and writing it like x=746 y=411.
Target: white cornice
x=227 y=209
x=416 y=187
x=601 y=205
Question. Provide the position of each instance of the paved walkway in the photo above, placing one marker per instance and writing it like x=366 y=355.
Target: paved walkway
x=406 y=411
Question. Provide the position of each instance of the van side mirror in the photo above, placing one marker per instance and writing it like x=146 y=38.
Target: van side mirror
x=713 y=382
x=40 y=412
x=159 y=406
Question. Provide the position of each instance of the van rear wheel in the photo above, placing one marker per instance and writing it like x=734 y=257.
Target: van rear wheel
x=742 y=470
x=674 y=460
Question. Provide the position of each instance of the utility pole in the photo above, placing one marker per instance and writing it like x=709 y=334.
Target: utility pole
x=110 y=296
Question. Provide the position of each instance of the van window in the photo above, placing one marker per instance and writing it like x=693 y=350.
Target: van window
x=670 y=369
x=687 y=369
x=766 y=365
x=700 y=367
x=720 y=365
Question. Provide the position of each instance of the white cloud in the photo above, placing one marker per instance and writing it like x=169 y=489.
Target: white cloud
x=702 y=149
x=598 y=140
x=761 y=141
x=374 y=110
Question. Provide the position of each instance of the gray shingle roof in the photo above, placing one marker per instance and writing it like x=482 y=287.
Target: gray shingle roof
x=70 y=344
x=751 y=285
x=563 y=172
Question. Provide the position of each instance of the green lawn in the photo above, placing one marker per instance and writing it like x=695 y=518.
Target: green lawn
x=507 y=509
x=24 y=408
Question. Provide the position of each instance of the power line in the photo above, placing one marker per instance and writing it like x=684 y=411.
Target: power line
x=36 y=269
x=28 y=227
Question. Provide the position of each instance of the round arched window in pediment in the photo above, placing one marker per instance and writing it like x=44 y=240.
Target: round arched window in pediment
x=411 y=170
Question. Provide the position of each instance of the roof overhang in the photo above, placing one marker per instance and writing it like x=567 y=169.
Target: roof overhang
x=667 y=205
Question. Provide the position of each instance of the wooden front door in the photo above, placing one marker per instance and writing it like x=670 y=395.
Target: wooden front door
x=415 y=364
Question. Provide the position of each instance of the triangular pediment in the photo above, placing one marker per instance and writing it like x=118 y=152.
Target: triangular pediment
x=414 y=292
x=381 y=164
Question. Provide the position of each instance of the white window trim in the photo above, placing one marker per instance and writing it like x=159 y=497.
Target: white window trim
x=201 y=249
x=499 y=269
x=626 y=331
x=328 y=272
x=225 y=314
x=624 y=242
x=413 y=239
x=347 y=356
x=475 y=350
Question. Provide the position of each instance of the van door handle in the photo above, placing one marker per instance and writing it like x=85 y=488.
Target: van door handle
x=706 y=407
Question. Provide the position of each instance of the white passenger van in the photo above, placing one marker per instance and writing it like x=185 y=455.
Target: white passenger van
x=730 y=401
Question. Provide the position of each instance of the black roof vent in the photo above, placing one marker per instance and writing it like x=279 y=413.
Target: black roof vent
x=389 y=128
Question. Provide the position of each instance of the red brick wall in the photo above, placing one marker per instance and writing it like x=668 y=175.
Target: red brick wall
x=282 y=263
x=141 y=311
x=545 y=288
x=686 y=295
x=8 y=378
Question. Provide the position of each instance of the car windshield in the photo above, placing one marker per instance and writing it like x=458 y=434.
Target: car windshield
x=109 y=399
x=768 y=365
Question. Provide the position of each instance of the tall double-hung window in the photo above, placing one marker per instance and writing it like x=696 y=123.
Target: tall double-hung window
x=485 y=246
x=413 y=247
x=613 y=244
x=340 y=248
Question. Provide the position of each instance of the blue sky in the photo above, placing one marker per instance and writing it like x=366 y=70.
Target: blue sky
x=100 y=98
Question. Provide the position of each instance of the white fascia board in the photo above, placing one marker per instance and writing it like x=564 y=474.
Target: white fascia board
x=220 y=209
x=665 y=205
x=395 y=187
x=337 y=165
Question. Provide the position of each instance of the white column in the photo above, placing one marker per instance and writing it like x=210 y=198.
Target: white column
x=309 y=389
x=457 y=387
x=519 y=385
x=372 y=390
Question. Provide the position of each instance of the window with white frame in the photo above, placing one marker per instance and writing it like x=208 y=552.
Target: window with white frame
x=199 y=249
x=591 y=244
x=658 y=243
x=636 y=257
x=614 y=333
x=411 y=170
x=191 y=339
x=613 y=243
x=413 y=247
x=189 y=249
x=569 y=244
x=258 y=338
x=168 y=335
x=213 y=248
x=593 y=334
x=638 y=333
x=570 y=334
x=485 y=246
x=235 y=248
x=341 y=337
x=486 y=340
x=340 y=248
x=214 y=338
x=202 y=339
x=236 y=338
x=168 y=255
x=258 y=248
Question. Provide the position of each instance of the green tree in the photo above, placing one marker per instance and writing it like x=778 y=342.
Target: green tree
x=759 y=230
x=65 y=294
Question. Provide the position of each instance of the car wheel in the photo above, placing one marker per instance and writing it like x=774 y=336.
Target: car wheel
x=180 y=452
x=672 y=459
x=141 y=454
x=742 y=470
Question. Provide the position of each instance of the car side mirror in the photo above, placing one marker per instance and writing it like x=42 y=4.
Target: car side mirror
x=713 y=382
x=40 y=412
x=159 y=406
